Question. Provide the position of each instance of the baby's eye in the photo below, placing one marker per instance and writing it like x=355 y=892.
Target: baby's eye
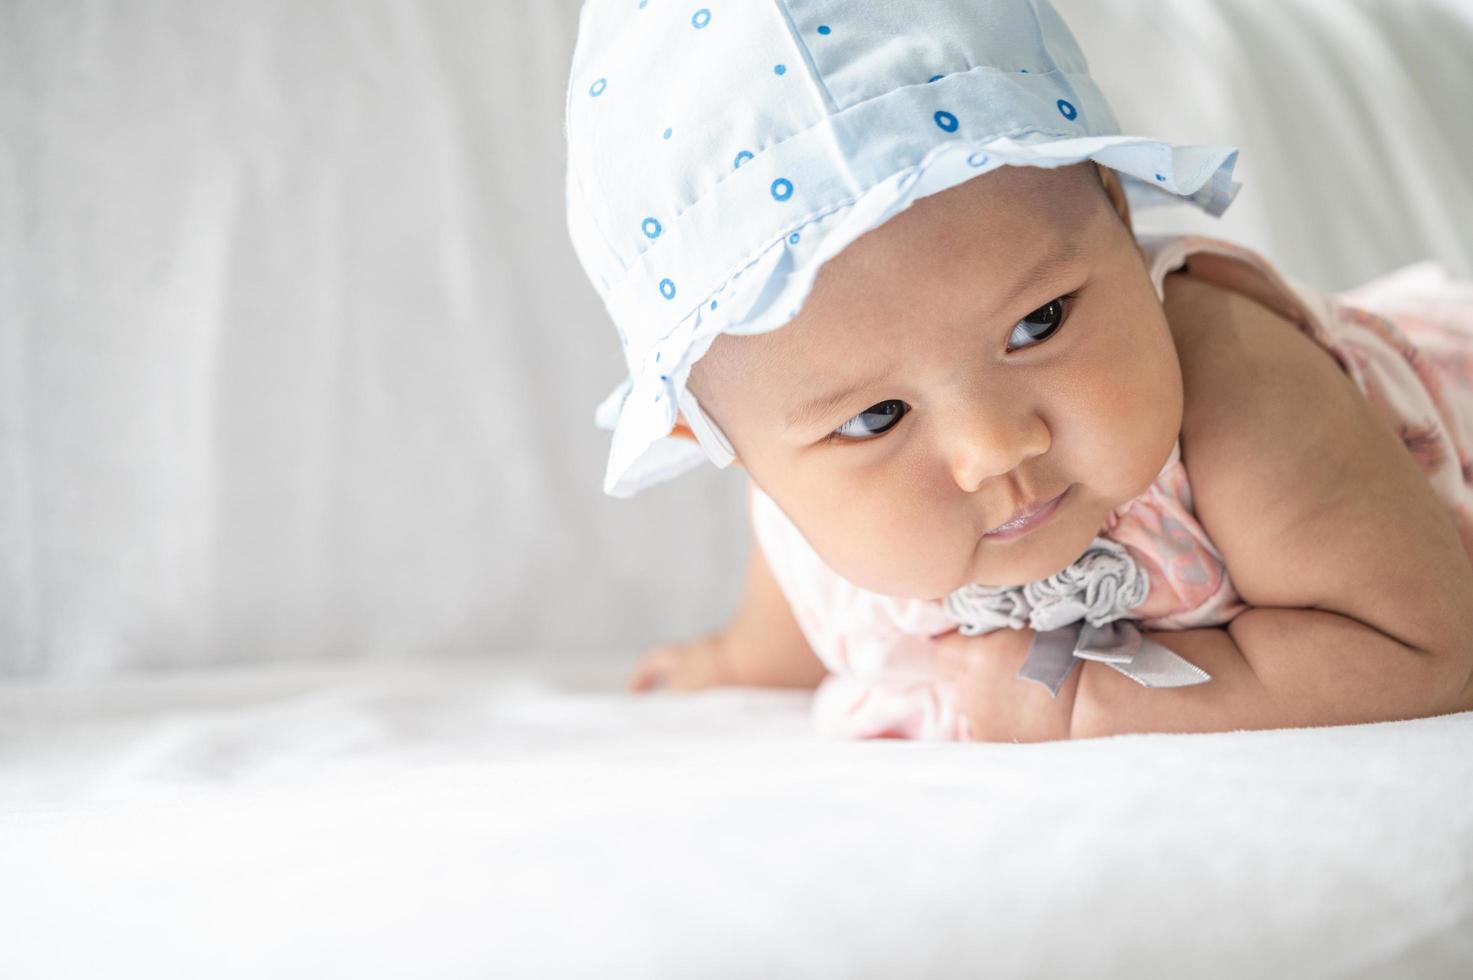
x=873 y=421
x=1046 y=319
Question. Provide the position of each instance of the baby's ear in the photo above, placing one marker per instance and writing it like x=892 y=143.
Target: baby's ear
x=682 y=430
x=1110 y=180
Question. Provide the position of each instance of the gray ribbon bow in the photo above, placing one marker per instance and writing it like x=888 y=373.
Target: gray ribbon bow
x=1078 y=613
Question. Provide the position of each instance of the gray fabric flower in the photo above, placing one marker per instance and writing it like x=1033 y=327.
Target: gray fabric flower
x=984 y=608
x=1102 y=585
x=1079 y=613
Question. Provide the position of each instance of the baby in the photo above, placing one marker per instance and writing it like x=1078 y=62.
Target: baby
x=1017 y=473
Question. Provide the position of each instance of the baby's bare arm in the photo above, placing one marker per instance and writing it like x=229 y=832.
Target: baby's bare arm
x=1271 y=668
x=1360 y=587
x=762 y=646
x=1308 y=489
x=1274 y=668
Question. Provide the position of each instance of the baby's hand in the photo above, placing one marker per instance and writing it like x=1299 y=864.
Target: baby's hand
x=702 y=662
x=999 y=705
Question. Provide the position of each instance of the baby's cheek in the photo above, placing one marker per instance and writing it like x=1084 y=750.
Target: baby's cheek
x=897 y=525
x=896 y=553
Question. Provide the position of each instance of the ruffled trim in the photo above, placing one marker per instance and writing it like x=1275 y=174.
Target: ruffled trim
x=770 y=290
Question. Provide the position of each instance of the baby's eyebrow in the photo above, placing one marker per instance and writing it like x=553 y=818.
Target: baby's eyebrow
x=1060 y=256
x=817 y=409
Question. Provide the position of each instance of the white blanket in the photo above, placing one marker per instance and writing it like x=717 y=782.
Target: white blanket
x=524 y=818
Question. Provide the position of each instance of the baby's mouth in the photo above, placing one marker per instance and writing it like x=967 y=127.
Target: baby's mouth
x=1032 y=520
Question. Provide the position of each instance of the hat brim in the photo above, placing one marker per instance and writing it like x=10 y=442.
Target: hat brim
x=770 y=290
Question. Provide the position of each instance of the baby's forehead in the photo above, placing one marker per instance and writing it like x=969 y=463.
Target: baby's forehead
x=966 y=245
x=944 y=250
x=981 y=231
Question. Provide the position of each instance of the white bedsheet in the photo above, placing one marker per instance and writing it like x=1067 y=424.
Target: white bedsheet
x=524 y=818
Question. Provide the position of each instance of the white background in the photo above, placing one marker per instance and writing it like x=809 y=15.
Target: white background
x=297 y=362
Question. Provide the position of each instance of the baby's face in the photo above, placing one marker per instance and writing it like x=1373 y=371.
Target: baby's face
x=936 y=380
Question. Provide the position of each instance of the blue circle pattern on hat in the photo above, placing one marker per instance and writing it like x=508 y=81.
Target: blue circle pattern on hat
x=823 y=117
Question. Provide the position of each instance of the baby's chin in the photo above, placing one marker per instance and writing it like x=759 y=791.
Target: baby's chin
x=997 y=563
x=993 y=564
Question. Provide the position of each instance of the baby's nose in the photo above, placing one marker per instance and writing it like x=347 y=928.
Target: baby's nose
x=983 y=441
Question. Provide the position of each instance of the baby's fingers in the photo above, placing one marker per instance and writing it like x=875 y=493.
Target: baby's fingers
x=652 y=669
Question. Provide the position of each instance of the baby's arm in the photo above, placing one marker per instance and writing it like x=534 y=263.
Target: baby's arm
x=1271 y=668
x=762 y=646
x=1360 y=587
x=1275 y=668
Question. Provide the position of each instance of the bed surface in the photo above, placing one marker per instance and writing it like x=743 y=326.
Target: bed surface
x=462 y=817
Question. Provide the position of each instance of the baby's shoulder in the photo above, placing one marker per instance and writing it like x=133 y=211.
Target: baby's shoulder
x=1209 y=318
x=1234 y=349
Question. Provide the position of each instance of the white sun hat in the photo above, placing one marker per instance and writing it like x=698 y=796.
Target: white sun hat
x=720 y=152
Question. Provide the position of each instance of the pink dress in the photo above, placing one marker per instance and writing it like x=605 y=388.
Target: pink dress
x=1405 y=339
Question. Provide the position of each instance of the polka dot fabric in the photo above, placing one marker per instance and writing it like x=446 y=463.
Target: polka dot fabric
x=720 y=153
